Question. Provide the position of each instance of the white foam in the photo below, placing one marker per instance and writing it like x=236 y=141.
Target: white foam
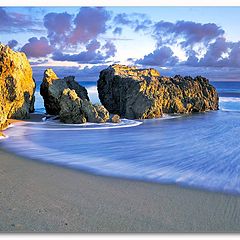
x=48 y=125
x=92 y=89
x=229 y=99
x=4 y=137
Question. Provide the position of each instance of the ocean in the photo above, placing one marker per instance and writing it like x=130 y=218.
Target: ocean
x=200 y=150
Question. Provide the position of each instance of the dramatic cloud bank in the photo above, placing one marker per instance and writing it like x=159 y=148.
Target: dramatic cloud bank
x=203 y=45
x=74 y=38
x=90 y=35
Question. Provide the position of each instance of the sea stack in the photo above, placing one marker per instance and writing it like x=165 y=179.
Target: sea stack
x=142 y=93
x=68 y=99
x=17 y=86
x=52 y=88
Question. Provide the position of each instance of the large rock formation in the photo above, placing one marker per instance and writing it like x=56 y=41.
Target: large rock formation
x=17 y=86
x=142 y=93
x=66 y=98
x=52 y=88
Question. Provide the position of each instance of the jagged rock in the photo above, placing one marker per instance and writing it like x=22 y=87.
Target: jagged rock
x=73 y=109
x=115 y=119
x=142 y=93
x=70 y=107
x=102 y=112
x=17 y=86
x=52 y=88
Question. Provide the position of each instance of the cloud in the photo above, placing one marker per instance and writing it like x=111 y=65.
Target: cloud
x=12 y=43
x=220 y=53
x=189 y=33
x=204 y=45
x=117 y=31
x=94 y=53
x=37 y=47
x=66 y=31
x=110 y=49
x=16 y=22
x=163 y=56
x=89 y=23
x=136 y=21
x=58 y=26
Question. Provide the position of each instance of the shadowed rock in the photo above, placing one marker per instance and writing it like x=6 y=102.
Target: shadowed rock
x=66 y=98
x=70 y=108
x=142 y=93
x=52 y=88
x=75 y=110
x=17 y=86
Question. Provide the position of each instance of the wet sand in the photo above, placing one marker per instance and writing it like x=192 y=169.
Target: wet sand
x=39 y=197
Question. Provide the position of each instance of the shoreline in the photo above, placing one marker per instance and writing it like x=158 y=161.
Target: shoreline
x=42 y=197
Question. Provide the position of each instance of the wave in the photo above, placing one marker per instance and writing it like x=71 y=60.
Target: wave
x=229 y=99
x=4 y=137
x=229 y=104
x=54 y=125
x=173 y=151
x=92 y=89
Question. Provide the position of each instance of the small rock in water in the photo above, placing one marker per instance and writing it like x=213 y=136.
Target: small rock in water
x=115 y=119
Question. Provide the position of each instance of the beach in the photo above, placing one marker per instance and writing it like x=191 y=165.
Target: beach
x=39 y=197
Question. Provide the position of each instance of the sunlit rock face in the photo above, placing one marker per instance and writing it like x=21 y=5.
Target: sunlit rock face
x=68 y=99
x=17 y=86
x=142 y=93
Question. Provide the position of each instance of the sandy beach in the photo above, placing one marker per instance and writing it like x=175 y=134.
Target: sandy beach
x=39 y=197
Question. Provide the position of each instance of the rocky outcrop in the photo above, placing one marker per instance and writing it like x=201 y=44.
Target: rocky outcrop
x=142 y=93
x=52 y=88
x=73 y=109
x=17 y=86
x=66 y=98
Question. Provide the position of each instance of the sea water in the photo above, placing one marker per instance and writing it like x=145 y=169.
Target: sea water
x=198 y=150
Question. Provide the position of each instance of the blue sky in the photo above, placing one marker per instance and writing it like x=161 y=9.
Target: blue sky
x=192 y=40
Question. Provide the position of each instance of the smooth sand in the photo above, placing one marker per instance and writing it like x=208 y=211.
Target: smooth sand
x=39 y=197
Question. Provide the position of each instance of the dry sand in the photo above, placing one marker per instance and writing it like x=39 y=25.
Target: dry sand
x=39 y=197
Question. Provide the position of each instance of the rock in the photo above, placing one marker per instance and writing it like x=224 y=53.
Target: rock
x=91 y=112
x=142 y=93
x=102 y=112
x=70 y=107
x=2 y=135
x=52 y=88
x=17 y=86
x=115 y=119
x=73 y=109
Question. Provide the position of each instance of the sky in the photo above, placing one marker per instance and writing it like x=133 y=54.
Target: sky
x=174 y=40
